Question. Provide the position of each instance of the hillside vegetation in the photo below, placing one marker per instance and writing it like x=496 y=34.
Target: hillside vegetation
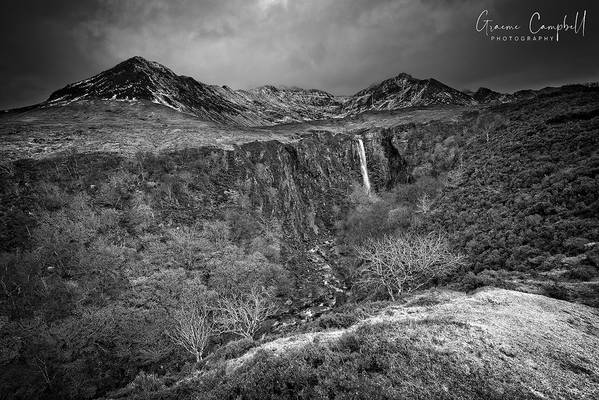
x=525 y=202
x=142 y=274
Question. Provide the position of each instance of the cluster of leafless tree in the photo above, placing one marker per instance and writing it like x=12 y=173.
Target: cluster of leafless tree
x=400 y=264
x=203 y=317
x=395 y=265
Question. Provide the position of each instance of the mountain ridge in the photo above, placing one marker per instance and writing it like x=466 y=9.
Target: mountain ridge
x=138 y=79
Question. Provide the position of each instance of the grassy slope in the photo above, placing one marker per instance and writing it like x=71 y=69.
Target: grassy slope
x=441 y=345
x=114 y=127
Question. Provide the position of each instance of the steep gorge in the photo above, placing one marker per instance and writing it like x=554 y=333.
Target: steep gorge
x=303 y=183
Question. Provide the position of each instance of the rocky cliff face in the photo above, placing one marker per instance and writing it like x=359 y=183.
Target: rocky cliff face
x=304 y=184
x=301 y=183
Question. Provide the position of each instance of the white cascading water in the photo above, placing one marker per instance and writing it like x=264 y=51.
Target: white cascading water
x=363 y=166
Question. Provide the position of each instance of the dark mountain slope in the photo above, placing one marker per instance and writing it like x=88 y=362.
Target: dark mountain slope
x=137 y=79
x=404 y=91
x=485 y=95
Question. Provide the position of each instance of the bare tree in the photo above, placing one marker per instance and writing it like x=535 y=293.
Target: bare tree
x=243 y=314
x=401 y=264
x=194 y=326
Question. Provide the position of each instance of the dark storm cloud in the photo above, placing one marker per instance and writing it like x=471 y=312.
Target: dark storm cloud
x=338 y=45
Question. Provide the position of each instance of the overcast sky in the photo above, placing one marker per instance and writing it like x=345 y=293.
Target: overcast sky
x=337 y=45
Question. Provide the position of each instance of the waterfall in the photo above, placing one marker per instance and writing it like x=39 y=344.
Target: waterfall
x=363 y=166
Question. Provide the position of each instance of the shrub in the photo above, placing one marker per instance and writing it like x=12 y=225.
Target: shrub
x=234 y=349
x=424 y=204
x=140 y=215
x=118 y=188
x=189 y=247
x=232 y=271
x=336 y=320
x=244 y=227
x=217 y=232
x=403 y=263
x=557 y=291
x=411 y=193
x=487 y=124
x=397 y=210
x=582 y=273
x=400 y=217
x=369 y=219
x=146 y=383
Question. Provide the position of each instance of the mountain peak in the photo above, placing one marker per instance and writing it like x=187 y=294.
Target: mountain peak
x=135 y=60
x=133 y=79
x=404 y=91
x=138 y=59
x=404 y=75
x=138 y=63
